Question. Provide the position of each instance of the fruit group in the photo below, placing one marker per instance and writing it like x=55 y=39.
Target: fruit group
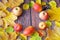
x=17 y=27
x=29 y=31
x=42 y=25
x=37 y=7
x=17 y=11
x=43 y=15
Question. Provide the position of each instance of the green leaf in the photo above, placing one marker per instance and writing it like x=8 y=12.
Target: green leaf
x=49 y=24
x=35 y=36
x=9 y=29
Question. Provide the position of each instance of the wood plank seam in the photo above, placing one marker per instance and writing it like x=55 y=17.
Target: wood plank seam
x=30 y=17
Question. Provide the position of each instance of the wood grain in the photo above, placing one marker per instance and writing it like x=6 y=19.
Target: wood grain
x=58 y=2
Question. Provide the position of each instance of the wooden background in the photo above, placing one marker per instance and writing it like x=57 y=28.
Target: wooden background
x=30 y=17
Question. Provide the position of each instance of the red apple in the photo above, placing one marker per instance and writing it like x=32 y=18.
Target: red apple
x=37 y=7
x=43 y=15
x=42 y=25
x=29 y=31
x=17 y=27
x=17 y=11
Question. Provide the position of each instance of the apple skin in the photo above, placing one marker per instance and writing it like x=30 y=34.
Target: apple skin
x=17 y=27
x=29 y=31
x=42 y=25
x=17 y=11
x=37 y=7
x=43 y=15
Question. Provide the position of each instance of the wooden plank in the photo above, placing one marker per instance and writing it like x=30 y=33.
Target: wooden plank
x=58 y=2
x=44 y=0
x=25 y=18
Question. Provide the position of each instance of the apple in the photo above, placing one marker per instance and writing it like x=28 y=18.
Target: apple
x=29 y=31
x=43 y=15
x=17 y=11
x=37 y=7
x=17 y=27
x=42 y=25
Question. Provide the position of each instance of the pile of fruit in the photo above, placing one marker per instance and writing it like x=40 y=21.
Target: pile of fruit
x=10 y=10
x=48 y=12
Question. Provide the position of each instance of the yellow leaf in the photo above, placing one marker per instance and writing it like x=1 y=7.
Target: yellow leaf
x=57 y=24
x=23 y=37
x=38 y=1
